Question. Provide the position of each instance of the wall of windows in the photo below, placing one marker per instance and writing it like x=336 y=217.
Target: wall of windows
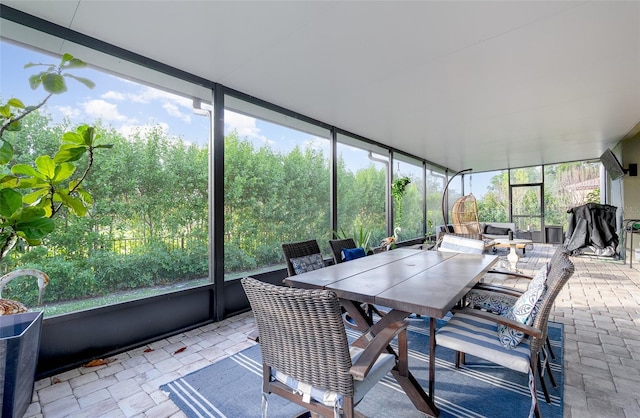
x=568 y=185
x=276 y=186
x=491 y=190
x=146 y=231
x=565 y=185
x=436 y=182
x=362 y=177
x=408 y=209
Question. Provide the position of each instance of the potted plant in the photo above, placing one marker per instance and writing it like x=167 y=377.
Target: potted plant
x=30 y=196
x=398 y=190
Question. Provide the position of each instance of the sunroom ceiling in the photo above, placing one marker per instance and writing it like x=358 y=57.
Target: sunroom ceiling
x=475 y=84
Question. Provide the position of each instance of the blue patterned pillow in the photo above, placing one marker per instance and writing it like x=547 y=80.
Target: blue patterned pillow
x=490 y=301
x=524 y=310
x=307 y=263
x=353 y=253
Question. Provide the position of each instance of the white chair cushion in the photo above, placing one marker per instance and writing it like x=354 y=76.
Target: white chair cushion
x=477 y=337
x=381 y=367
x=453 y=243
x=307 y=263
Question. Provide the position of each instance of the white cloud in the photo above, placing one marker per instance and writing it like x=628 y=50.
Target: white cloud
x=317 y=143
x=103 y=110
x=128 y=130
x=244 y=125
x=68 y=111
x=175 y=106
x=173 y=110
x=114 y=95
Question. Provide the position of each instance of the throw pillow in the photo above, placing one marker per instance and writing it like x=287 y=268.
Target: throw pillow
x=490 y=301
x=523 y=310
x=353 y=253
x=307 y=263
x=494 y=230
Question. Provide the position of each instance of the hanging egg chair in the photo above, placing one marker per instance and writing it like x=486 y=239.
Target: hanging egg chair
x=464 y=215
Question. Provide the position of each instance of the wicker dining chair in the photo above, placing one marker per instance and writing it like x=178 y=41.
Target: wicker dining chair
x=473 y=331
x=498 y=298
x=305 y=352
x=337 y=245
x=298 y=251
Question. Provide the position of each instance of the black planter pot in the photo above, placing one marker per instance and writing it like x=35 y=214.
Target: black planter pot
x=19 y=349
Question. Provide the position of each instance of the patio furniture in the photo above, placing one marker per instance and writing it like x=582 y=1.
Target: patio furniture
x=473 y=331
x=498 y=299
x=337 y=245
x=464 y=214
x=302 y=256
x=305 y=353
x=514 y=243
x=458 y=244
x=428 y=283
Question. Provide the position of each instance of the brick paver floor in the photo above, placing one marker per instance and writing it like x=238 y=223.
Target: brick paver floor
x=599 y=307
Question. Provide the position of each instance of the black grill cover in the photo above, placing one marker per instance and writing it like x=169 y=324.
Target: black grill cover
x=592 y=225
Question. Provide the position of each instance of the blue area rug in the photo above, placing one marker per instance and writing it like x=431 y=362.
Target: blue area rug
x=232 y=387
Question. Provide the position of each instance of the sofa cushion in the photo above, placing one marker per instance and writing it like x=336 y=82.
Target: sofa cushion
x=495 y=230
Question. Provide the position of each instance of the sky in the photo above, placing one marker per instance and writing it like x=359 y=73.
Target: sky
x=128 y=106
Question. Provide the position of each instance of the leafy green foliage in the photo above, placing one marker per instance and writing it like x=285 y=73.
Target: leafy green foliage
x=398 y=191
x=31 y=193
x=359 y=235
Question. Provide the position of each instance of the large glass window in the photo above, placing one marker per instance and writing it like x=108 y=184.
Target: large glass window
x=491 y=189
x=526 y=175
x=568 y=185
x=408 y=197
x=276 y=186
x=362 y=183
x=146 y=231
x=436 y=182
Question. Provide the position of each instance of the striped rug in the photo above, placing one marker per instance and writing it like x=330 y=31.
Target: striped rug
x=232 y=386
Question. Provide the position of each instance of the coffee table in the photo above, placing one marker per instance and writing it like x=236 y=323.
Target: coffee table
x=513 y=244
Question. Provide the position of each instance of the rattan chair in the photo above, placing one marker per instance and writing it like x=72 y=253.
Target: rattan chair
x=473 y=331
x=498 y=298
x=293 y=250
x=304 y=348
x=337 y=245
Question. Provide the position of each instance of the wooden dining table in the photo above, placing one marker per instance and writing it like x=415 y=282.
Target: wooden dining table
x=427 y=283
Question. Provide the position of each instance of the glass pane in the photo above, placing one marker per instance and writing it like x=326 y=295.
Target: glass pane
x=492 y=193
x=146 y=231
x=527 y=209
x=526 y=175
x=454 y=192
x=569 y=185
x=436 y=182
x=276 y=188
x=362 y=182
x=409 y=206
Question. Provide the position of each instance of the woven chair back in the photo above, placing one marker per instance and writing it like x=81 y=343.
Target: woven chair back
x=298 y=249
x=464 y=214
x=337 y=245
x=302 y=334
x=560 y=270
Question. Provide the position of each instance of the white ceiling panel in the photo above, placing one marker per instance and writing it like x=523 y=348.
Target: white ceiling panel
x=478 y=84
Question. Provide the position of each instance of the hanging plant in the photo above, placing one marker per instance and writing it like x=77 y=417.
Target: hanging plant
x=398 y=190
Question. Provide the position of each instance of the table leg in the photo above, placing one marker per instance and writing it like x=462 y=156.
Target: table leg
x=513 y=257
x=432 y=358
x=404 y=377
